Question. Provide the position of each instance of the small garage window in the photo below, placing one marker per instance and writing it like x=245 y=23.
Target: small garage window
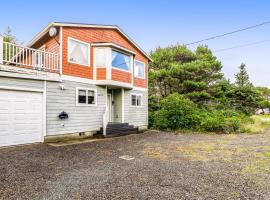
x=136 y=99
x=86 y=97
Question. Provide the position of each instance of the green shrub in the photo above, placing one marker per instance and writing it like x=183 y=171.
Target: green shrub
x=223 y=121
x=178 y=112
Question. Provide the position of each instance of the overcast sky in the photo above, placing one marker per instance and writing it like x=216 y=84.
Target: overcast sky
x=153 y=23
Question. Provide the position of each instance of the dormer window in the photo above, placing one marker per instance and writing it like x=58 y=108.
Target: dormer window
x=121 y=61
x=78 y=52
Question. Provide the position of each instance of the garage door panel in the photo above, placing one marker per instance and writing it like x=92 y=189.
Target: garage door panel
x=4 y=105
x=20 y=117
x=4 y=117
x=4 y=130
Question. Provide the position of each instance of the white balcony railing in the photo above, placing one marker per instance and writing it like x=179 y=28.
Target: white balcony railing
x=16 y=55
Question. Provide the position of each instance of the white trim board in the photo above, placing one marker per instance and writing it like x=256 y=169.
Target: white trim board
x=17 y=72
x=44 y=109
x=118 y=47
x=21 y=89
x=102 y=82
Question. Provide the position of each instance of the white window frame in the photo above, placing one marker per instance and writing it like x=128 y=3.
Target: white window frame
x=88 y=53
x=131 y=65
x=136 y=94
x=86 y=89
x=143 y=69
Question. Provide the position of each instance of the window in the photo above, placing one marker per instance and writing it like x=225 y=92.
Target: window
x=120 y=61
x=139 y=69
x=86 y=96
x=78 y=52
x=136 y=100
x=100 y=57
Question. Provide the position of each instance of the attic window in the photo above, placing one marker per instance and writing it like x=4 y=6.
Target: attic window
x=78 y=52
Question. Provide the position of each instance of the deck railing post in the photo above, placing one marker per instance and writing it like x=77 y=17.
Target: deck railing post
x=1 y=49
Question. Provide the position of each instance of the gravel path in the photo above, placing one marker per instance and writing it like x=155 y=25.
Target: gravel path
x=165 y=166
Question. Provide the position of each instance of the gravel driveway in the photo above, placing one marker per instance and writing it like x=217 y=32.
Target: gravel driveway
x=165 y=166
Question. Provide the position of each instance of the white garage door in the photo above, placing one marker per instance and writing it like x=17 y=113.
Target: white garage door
x=20 y=117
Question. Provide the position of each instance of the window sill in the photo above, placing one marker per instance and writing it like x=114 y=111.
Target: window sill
x=123 y=70
x=139 y=77
x=136 y=106
x=71 y=62
x=85 y=105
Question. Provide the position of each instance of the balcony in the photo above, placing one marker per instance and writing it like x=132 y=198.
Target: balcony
x=17 y=56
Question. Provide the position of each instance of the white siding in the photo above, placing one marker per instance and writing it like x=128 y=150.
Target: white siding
x=81 y=118
x=21 y=83
x=137 y=116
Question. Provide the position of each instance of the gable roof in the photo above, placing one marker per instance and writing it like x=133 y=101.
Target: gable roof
x=83 y=25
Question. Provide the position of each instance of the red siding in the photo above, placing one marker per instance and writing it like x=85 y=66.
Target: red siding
x=101 y=73
x=92 y=35
x=121 y=76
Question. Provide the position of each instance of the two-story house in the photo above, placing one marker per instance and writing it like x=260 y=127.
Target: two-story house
x=72 y=79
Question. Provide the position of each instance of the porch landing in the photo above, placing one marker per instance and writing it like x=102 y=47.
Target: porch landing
x=116 y=129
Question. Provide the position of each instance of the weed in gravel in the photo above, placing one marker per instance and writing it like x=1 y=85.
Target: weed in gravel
x=155 y=151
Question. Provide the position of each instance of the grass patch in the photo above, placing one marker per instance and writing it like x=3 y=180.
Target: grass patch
x=259 y=125
x=250 y=154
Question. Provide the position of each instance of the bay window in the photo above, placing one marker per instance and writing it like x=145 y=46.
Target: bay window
x=121 y=61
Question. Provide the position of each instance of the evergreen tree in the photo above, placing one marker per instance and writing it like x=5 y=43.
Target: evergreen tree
x=176 y=69
x=8 y=37
x=243 y=96
x=242 y=77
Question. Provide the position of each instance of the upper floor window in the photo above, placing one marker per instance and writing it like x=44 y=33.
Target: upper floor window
x=120 y=61
x=78 y=52
x=139 y=69
x=100 y=57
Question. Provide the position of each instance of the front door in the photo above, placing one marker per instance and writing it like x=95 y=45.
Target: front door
x=109 y=105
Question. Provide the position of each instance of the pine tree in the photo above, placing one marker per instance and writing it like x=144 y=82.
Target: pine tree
x=8 y=37
x=242 y=77
x=8 y=51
